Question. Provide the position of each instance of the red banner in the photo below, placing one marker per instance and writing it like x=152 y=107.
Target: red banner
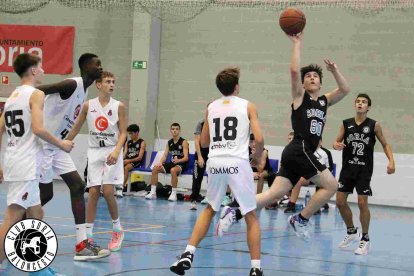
x=54 y=44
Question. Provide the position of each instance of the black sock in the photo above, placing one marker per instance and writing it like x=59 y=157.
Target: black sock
x=351 y=230
x=365 y=237
x=302 y=218
x=290 y=203
x=228 y=194
x=239 y=215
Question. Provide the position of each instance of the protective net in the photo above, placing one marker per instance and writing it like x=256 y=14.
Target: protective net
x=184 y=10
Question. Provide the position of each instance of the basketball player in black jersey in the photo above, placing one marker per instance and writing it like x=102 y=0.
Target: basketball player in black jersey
x=356 y=139
x=133 y=151
x=308 y=120
x=178 y=148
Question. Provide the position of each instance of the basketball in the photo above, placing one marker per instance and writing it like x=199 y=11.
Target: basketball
x=292 y=21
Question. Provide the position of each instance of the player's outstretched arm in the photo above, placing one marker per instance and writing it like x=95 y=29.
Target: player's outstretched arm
x=343 y=87
x=79 y=122
x=338 y=145
x=65 y=88
x=386 y=147
x=36 y=105
x=296 y=82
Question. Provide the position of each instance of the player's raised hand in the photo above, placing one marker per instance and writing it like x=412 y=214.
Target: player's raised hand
x=296 y=37
x=339 y=146
x=330 y=65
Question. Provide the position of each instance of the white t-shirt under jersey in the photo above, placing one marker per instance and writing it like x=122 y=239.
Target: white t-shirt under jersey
x=60 y=115
x=21 y=158
x=103 y=123
x=229 y=125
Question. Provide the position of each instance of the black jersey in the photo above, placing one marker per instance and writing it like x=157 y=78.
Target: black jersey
x=133 y=148
x=359 y=141
x=309 y=120
x=176 y=149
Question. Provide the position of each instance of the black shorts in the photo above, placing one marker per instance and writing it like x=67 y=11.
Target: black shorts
x=135 y=164
x=168 y=166
x=299 y=161
x=358 y=179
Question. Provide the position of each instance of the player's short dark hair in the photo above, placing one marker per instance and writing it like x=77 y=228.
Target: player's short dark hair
x=133 y=128
x=175 y=124
x=105 y=74
x=227 y=80
x=85 y=59
x=251 y=137
x=291 y=133
x=311 y=68
x=363 y=95
x=23 y=62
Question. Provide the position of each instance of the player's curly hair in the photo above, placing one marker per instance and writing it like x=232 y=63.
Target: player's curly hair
x=311 y=68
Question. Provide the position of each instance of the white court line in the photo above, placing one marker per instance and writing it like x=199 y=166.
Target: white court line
x=153 y=233
x=123 y=222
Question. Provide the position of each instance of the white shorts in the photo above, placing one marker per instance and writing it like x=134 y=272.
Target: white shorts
x=23 y=193
x=55 y=161
x=99 y=172
x=238 y=174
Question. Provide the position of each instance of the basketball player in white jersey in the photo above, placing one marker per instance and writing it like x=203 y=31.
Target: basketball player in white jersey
x=23 y=122
x=107 y=135
x=62 y=106
x=226 y=131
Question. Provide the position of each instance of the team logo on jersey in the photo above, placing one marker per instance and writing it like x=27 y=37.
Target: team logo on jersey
x=322 y=102
x=180 y=147
x=30 y=245
x=110 y=112
x=365 y=129
x=24 y=197
x=101 y=123
x=77 y=111
x=340 y=185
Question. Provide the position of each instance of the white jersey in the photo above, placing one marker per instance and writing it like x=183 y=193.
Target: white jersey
x=23 y=148
x=229 y=125
x=103 y=123
x=60 y=115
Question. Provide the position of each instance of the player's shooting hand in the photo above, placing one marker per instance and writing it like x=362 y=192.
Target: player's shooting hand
x=112 y=158
x=391 y=167
x=297 y=38
x=339 y=146
x=330 y=65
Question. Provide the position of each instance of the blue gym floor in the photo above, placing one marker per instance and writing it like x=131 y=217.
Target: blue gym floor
x=157 y=231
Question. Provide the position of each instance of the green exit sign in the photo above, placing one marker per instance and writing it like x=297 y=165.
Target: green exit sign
x=139 y=64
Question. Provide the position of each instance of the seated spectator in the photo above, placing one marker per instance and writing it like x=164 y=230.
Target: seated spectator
x=133 y=153
x=261 y=168
x=178 y=147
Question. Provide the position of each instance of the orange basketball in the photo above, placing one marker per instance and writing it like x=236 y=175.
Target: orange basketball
x=292 y=21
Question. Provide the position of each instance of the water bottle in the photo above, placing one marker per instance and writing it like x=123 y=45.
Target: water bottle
x=307 y=198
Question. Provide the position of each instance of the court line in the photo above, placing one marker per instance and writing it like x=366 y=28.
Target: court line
x=123 y=222
x=110 y=231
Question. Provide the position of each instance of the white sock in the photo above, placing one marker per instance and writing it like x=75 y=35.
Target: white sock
x=89 y=230
x=116 y=224
x=256 y=264
x=153 y=189
x=191 y=249
x=80 y=232
x=174 y=190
